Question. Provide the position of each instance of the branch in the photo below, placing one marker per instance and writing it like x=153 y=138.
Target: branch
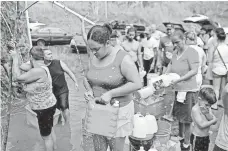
x=7 y=25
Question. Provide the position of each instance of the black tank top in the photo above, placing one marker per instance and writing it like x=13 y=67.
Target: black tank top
x=58 y=78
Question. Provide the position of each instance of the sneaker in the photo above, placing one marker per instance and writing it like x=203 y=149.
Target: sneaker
x=183 y=148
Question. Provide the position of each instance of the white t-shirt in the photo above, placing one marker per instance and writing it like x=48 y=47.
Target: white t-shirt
x=157 y=35
x=199 y=42
x=202 y=63
x=149 y=46
x=222 y=137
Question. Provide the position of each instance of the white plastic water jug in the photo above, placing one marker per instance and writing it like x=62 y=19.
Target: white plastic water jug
x=168 y=78
x=141 y=148
x=153 y=149
x=151 y=122
x=140 y=126
x=146 y=92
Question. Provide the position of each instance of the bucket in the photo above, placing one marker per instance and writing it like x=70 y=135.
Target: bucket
x=164 y=131
x=32 y=120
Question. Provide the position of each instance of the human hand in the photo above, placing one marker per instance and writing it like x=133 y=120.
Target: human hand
x=11 y=44
x=106 y=97
x=169 y=55
x=174 y=82
x=13 y=53
x=214 y=119
x=88 y=95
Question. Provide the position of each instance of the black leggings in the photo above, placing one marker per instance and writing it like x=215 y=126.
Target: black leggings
x=146 y=64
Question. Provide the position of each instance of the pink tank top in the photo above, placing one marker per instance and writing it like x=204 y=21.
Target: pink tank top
x=103 y=79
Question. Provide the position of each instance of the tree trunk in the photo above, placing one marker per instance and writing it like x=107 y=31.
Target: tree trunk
x=18 y=28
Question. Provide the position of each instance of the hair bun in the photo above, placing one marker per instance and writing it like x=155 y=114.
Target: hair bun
x=108 y=26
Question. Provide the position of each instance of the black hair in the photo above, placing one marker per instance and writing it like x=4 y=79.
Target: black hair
x=100 y=34
x=208 y=94
x=131 y=29
x=142 y=35
x=179 y=34
x=37 y=53
x=191 y=35
x=114 y=34
x=220 y=33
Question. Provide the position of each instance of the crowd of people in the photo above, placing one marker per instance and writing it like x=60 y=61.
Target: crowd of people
x=115 y=63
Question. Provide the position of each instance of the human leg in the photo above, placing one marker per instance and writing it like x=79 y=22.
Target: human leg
x=200 y=143
x=146 y=64
x=100 y=142
x=45 y=121
x=53 y=138
x=117 y=144
x=216 y=148
x=64 y=106
x=223 y=84
x=216 y=86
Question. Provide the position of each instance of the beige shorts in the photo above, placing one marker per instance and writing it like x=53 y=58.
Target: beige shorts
x=125 y=120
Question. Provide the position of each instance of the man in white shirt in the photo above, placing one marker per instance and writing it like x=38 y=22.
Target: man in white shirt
x=156 y=34
x=149 y=47
x=191 y=39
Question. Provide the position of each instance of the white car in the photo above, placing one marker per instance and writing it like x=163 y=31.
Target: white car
x=201 y=20
x=34 y=25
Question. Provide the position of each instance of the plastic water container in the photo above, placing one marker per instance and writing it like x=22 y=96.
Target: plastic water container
x=164 y=131
x=140 y=127
x=151 y=122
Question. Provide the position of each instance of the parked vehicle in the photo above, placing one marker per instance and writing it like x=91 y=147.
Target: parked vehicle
x=50 y=36
x=116 y=25
x=122 y=26
x=34 y=25
x=201 y=20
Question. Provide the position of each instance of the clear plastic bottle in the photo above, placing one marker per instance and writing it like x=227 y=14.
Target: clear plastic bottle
x=116 y=104
x=141 y=148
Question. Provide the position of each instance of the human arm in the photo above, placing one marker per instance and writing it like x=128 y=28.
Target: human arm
x=200 y=122
x=168 y=70
x=139 y=53
x=225 y=99
x=211 y=52
x=83 y=31
x=32 y=75
x=26 y=66
x=129 y=71
x=69 y=72
x=159 y=55
x=204 y=62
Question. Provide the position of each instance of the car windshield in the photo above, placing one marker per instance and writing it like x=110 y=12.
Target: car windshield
x=32 y=21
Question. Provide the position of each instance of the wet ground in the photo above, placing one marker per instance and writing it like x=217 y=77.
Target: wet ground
x=25 y=138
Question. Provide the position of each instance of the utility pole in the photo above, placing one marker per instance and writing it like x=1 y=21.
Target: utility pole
x=106 y=9
x=27 y=22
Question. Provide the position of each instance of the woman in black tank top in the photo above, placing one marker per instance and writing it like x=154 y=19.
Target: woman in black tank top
x=57 y=69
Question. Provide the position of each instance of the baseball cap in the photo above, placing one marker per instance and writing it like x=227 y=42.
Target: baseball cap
x=169 y=26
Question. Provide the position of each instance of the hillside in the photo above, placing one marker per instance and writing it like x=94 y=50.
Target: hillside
x=150 y=12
